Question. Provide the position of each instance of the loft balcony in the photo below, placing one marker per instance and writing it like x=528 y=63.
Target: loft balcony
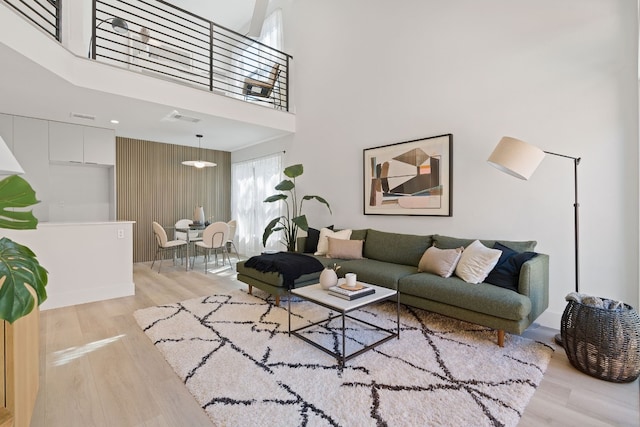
x=163 y=71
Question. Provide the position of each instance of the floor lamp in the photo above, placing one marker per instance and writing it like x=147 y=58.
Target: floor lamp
x=520 y=159
x=119 y=25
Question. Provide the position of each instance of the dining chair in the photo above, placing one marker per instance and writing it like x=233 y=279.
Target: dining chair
x=164 y=244
x=182 y=235
x=214 y=238
x=233 y=226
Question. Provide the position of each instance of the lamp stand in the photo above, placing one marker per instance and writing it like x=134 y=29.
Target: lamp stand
x=576 y=207
x=520 y=159
x=119 y=25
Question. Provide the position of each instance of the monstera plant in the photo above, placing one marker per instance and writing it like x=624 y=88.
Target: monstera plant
x=294 y=219
x=19 y=268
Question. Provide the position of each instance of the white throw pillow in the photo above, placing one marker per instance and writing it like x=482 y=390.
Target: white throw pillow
x=476 y=262
x=440 y=261
x=323 y=241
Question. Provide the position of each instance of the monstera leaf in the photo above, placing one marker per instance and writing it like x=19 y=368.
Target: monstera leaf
x=19 y=268
x=15 y=192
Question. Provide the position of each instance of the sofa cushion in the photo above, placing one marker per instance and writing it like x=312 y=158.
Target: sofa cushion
x=395 y=248
x=345 y=249
x=323 y=242
x=442 y=262
x=359 y=234
x=377 y=272
x=476 y=262
x=506 y=273
x=446 y=242
x=483 y=298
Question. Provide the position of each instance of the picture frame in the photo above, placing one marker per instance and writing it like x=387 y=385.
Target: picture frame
x=409 y=178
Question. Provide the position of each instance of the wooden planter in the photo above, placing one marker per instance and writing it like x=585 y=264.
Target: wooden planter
x=21 y=376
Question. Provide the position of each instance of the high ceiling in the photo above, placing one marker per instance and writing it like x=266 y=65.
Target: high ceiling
x=31 y=90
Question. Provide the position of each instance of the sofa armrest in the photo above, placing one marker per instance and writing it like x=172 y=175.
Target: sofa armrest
x=534 y=283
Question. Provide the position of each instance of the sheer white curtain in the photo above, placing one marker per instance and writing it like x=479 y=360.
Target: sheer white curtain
x=271 y=34
x=252 y=182
x=253 y=60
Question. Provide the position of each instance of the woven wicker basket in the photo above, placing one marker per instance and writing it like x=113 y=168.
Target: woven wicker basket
x=602 y=343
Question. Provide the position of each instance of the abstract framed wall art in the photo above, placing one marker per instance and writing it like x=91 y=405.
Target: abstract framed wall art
x=409 y=178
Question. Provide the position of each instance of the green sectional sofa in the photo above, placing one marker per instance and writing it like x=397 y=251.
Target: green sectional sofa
x=391 y=260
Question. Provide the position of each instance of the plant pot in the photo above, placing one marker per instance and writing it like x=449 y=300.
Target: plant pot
x=328 y=278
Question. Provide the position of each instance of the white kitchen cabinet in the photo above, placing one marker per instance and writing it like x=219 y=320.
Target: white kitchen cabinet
x=99 y=146
x=6 y=130
x=30 y=146
x=81 y=144
x=71 y=167
x=66 y=142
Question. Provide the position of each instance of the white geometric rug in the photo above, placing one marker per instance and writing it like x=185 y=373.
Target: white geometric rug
x=234 y=354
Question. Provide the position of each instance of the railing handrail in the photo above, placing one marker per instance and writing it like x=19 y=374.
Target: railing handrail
x=30 y=9
x=221 y=26
x=190 y=49
x=185 y=48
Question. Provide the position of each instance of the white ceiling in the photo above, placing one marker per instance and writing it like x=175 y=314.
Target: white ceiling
x=31 y=90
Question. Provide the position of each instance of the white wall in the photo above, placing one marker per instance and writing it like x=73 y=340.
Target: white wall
x=560 y=75
x=81 y=193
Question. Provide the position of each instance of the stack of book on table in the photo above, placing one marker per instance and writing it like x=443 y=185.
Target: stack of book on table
x=350 y=293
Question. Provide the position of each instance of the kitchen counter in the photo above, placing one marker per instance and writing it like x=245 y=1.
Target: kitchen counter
x=88 y=261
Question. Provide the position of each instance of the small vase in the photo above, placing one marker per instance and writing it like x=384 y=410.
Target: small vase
x=198 y=215
x=328 y=278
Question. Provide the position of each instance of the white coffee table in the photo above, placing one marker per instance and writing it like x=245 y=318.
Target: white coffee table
x=318 y=295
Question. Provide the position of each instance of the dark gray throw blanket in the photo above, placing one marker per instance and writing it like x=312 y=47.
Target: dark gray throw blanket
x=290 y=264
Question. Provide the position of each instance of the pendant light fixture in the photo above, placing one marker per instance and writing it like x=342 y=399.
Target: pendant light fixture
x=199 y=163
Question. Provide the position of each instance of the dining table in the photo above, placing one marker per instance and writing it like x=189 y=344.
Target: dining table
x=187 y=231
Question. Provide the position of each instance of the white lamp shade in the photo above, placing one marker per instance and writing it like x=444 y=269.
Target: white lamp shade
x=199 y=164
x=515 y=157
x=8 y=163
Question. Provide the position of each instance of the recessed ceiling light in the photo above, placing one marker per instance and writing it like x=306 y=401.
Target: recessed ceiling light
x=115 y=122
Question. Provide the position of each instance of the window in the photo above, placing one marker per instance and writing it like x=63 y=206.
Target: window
x=272 y=30
x=256 y=60
x=252 y=182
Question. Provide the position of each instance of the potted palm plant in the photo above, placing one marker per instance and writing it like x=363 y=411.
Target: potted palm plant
x=19 y=267
x=294 y=219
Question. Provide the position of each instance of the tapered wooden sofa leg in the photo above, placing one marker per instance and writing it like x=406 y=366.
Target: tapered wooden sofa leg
x=250 y=289
x=501 y=338
x=277 y=300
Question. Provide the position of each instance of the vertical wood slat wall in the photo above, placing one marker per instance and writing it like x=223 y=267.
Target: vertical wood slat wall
x=152 y=184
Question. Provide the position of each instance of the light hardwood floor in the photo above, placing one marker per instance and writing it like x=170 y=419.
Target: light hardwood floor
x=99 y=369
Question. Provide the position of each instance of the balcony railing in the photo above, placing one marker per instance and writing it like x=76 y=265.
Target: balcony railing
x=44 y=14
x=156 y=38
